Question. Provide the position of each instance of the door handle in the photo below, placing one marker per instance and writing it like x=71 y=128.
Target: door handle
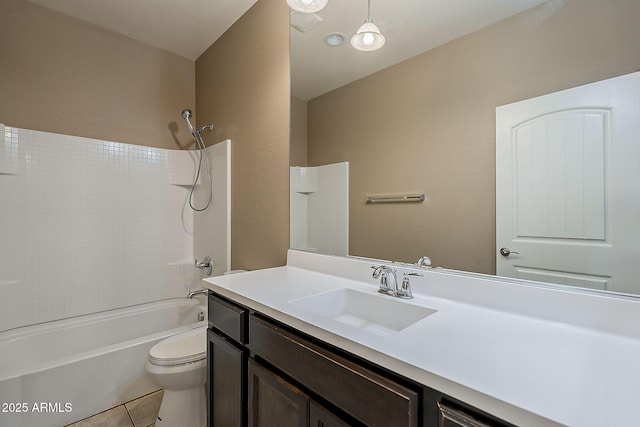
x=504 y=251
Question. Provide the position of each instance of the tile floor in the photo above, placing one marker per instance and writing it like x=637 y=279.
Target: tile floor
x=141 y=412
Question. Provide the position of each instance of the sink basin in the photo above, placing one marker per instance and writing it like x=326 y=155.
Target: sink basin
x=375 y=313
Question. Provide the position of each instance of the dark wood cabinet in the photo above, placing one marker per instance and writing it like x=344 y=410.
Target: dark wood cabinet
x=275 y=402
x=322 y=417
x=262 y=373
x=226 y=364
x=450 y=417
x=367 y=396
x=226 y=379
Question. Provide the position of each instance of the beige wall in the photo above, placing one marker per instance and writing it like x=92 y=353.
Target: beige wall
x=298 y=148
x=243 y=87
x=429 y=124
x=59 y=74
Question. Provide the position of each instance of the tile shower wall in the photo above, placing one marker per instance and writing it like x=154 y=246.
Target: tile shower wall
x=89 y=225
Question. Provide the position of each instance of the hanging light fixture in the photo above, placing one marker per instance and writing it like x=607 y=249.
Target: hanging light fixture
x=307 y=6
x=368 y=37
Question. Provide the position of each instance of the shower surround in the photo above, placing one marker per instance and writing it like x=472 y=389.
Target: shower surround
x=88 y=225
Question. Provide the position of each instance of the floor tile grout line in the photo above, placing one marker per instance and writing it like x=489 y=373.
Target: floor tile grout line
x=129 y=415
x=124 y=406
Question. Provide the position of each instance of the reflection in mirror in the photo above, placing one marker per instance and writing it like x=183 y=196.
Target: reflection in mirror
x=426 y=122
x=319 y=208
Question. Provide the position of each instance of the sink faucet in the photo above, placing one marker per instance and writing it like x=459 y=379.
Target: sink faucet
x=388 y=279
x=192 y=294
x=389 y=282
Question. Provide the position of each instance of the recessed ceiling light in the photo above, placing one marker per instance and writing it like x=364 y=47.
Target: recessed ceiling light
x=307 y=6
x=334 y=39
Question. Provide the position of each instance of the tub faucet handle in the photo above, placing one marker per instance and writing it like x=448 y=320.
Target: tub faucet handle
x=206 y=265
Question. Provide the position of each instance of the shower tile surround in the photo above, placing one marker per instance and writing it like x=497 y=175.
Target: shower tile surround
x=88 y=225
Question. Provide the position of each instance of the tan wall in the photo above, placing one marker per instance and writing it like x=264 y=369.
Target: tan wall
x=59 y=74
x=429 y=124
x=298 y=148
x=243 y=88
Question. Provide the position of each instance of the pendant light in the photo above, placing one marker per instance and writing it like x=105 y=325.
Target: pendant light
x=307 y=6
x=368 y=37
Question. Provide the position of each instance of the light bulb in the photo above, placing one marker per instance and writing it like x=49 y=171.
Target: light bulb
x=368 y=39
x=307 y=2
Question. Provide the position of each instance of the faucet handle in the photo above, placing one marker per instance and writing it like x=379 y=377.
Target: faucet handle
x=376 y=271
x=206 y=265
x=405 y=288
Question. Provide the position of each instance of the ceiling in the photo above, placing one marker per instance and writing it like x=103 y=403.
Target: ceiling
x=410 y=27
x=188 y=27
x=184 y=27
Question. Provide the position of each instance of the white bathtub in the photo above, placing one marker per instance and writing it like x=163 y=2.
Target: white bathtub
x=60 y=372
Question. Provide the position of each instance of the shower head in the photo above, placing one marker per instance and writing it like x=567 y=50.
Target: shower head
x=187 y=114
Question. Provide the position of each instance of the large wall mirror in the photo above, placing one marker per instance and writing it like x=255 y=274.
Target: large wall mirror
x=424 y=121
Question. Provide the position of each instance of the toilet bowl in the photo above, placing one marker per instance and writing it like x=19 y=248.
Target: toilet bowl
x=178 y=364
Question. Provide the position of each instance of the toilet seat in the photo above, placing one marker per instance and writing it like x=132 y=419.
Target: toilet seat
x=185 y=347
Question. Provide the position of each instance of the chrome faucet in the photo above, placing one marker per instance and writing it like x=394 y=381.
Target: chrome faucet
x=388 y=279
x=424 y=262
x=206 y=265
x=389 y=282
x=405 y=288
x=192 y=294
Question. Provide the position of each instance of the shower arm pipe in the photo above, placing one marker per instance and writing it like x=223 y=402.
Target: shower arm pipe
x=187 y=114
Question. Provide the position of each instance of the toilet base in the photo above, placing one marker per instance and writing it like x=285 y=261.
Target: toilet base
x=183 y=408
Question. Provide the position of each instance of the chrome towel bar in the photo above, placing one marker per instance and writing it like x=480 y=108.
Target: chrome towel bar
x=401 y=198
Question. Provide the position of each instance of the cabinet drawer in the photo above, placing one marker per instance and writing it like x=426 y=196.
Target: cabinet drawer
x=367 y=396
x=228 y=318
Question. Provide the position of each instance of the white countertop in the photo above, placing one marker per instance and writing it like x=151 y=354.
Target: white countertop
x=558 y=367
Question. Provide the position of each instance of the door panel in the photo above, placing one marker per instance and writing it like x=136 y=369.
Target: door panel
x=226 y=381
x=273 y=401
x=567 y=199
x=563 y=278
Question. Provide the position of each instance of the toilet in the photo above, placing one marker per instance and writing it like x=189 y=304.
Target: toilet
x=178 y=364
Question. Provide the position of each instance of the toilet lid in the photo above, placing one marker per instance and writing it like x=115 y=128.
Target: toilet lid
x=184 y=347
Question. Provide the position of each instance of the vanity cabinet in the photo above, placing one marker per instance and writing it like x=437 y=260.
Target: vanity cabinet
x=226 y=364
x=273 y=401
x=357 y=391
x=450 y=417
x=262 y=373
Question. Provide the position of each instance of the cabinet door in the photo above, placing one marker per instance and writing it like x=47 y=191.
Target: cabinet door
x=449 y=417
x=366 y=396
x=273 y=401
x=321 y=417
x=226 y=381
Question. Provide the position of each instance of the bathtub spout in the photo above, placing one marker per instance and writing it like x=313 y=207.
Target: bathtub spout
x=192 y=294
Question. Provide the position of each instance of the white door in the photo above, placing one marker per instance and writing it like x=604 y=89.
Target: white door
x=568 y=186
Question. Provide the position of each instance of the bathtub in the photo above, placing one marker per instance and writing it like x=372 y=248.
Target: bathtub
x=60 y=372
